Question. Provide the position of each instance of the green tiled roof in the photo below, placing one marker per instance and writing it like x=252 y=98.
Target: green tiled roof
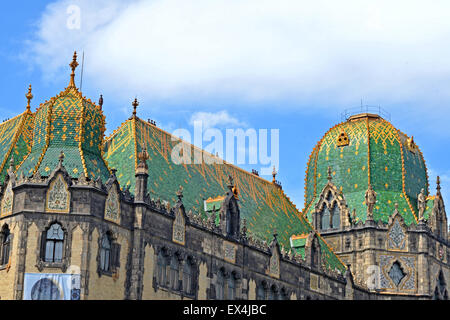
x=376 y=151
x=15 y=140
x=74 y=125
x=264 y=205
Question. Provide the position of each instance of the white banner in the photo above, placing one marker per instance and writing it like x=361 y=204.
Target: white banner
x=51 y=286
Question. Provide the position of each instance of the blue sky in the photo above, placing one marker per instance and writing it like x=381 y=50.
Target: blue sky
x=266 y=64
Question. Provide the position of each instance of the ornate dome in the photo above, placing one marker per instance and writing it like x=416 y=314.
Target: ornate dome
x=73 y=124
x=367 y=149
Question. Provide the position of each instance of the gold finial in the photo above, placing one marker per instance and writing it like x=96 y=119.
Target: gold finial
x=135 y=104
x=29 y=96
x=73 y=65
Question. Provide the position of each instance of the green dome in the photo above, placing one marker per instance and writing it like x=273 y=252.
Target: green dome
x=72 y=124
x=366 y=149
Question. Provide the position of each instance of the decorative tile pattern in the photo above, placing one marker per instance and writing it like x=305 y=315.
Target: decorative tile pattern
x=396 y=236
x=58 y=196
x=398 y=273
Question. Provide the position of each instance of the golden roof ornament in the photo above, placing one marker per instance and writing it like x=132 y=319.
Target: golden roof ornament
x=135 y=105
x=29 y=96
x=73 y=65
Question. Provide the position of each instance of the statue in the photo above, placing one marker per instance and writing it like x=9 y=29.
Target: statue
x=371 y=199
x=421 y=203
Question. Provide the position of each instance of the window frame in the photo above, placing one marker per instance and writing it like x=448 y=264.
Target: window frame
x=5 y=242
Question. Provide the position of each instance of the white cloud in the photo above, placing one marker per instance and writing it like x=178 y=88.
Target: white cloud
x=255 y=50
x=221 y=119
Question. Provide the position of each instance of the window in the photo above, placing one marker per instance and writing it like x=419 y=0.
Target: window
x=5 y=242
x=273 y=293
x=162 y=268
x=325 y=218
x=336 y=217
x=105 y=253
x=231 y=288
x=174 y=275
x=261 y=292
x=188 y=277
x=54 y=244
x=220 y=286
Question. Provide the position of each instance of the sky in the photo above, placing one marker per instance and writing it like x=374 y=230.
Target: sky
x=290 y=65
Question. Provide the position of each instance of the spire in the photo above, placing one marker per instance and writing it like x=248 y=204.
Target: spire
x=100 y=101
x=180 y=193
x=230 y=182
x=330 y=177
x=135 y=105
x=438 y=185
x=73 y=65
x=29 y=96
x=11 y=163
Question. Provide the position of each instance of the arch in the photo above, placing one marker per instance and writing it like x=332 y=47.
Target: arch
x=58 y=195
x=189 y=276
x=335 y=216
x=5 y=245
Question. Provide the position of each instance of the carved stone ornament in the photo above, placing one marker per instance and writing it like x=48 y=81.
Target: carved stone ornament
x=112 y=205
x=58 y=196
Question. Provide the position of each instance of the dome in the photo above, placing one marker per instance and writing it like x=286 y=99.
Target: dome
x=73 y=124
x=367 y=149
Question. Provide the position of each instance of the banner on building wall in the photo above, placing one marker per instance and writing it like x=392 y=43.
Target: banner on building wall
x=51 y=286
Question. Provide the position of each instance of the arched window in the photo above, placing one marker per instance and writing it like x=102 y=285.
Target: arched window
x=54 y=243
x=261 y=292
x=336 y=217
x=325 y=218
x=174 y=274
x=220 y=285
x=162 y=268
x=283 y=295
x=188 y=277
x=273 y=293
x=105 y=253
x=5 y=242
x=231 y=295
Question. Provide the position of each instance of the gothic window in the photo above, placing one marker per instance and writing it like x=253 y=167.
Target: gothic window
x=440 y=292
x=336 y=216
x=261 y=292
x=109 y=254
x=162 y=268
x=188 y=277
x=396 y=273
x=220 y=285
x=283 y=294
x=5 y=241
x=273 y=293
x=53 y=244
x=105 y=253
x=174 y=274
x=231 y=288
x=325 y=218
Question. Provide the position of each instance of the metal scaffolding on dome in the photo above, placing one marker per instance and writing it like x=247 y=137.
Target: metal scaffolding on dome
x=347 y=113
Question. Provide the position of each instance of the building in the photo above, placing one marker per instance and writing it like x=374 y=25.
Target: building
x=88 y=217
